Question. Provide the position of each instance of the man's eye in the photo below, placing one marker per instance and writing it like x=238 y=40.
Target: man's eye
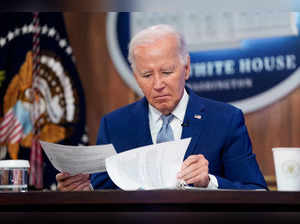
x=147 y=75
x=167 y=72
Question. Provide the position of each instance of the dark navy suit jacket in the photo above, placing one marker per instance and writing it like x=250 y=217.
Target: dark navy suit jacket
x=220 y=135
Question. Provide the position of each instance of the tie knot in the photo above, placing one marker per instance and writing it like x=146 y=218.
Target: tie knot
x=167 y=119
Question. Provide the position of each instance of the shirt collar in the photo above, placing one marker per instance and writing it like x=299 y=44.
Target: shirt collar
x=178 y=112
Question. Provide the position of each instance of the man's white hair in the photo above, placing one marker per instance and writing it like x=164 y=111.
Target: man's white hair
x=154 y=33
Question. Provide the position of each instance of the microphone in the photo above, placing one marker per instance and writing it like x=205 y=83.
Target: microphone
x=185 y=124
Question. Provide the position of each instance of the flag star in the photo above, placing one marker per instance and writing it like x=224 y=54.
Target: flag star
x=17 y=32
x=30 y=28
x=25 y=29
x=69 y=50
x=44 y=29
x=51 y=32
x=62 y=43
x=10 y=36
x=2 y=42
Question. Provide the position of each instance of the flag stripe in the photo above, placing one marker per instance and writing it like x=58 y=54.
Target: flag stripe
x=6 y=123
x=16 y=135
x=8 y=116
x=16 y=129
x=12 y=126
x=14 y=122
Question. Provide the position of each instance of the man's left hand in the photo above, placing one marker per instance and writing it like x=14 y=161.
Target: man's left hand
x=194 y=170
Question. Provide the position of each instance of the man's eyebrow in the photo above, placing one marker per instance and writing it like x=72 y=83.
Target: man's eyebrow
x=168 y=67
x=145 y=71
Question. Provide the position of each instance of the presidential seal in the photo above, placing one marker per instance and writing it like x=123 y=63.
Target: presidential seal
x=41 y=97
x=290 y=168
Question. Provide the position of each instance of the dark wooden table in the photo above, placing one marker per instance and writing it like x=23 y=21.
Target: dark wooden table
x=163 y=206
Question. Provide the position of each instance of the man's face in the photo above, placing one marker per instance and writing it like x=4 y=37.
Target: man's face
x=160 y=73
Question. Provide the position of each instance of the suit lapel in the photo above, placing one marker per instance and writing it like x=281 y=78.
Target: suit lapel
x=140 y=121
x=193 y=122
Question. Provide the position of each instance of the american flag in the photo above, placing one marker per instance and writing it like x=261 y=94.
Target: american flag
x=11 y=129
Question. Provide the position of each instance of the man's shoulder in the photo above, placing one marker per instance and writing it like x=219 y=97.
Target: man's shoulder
x=213 y=105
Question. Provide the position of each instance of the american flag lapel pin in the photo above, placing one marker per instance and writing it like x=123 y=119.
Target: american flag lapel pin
x=197 y=116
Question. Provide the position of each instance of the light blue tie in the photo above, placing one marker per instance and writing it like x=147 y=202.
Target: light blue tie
x=165 y=134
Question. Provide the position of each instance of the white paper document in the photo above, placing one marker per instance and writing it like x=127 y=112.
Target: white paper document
x=78 y=159
x=148 y=167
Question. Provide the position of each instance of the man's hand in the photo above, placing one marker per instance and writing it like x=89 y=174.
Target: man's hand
x=194 y=170
x=79 y=182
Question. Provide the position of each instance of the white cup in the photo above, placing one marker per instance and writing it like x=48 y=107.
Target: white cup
x=14 y=175
x=287 y=168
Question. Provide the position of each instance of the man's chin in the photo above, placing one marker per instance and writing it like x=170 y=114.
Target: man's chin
x=163 y=108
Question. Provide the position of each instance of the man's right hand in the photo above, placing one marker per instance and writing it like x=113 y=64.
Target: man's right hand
x=78 y=182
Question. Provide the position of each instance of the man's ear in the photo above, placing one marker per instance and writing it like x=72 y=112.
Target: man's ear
x=187 y=68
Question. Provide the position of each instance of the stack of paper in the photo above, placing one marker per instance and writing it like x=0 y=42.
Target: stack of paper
x=149 y=167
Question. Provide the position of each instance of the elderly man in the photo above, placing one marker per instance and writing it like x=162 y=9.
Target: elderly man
x=220 y=153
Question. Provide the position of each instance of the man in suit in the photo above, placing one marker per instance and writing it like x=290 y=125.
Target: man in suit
x=220 y=153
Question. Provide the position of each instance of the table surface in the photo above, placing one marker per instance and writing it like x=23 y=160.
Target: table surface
x=159 y=206
x=159 y=199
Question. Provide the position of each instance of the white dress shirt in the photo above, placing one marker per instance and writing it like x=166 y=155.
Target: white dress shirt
x=155 y=123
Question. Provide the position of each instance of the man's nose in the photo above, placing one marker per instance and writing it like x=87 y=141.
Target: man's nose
x=158 y=83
